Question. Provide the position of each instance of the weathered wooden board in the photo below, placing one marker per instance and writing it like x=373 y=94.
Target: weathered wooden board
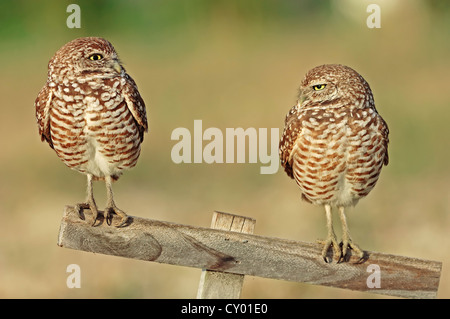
x=248 y=254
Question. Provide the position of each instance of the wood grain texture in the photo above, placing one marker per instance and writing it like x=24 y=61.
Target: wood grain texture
x=217 y=284
x=247 y=254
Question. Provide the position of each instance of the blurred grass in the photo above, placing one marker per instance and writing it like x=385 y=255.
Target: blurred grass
x=230 y=64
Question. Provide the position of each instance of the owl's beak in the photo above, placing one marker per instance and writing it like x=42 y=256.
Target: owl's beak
x=116 y=66
x=301 y=98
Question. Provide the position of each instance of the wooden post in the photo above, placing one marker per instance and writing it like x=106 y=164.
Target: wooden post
x=216 y=284
x=248 y=254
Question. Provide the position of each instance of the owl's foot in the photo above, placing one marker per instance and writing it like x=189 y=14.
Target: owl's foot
x=348 y=244
x=80 y=207
x=111 y=206
x=330 y=242
x=90 y=202
x=114 y=210
x=347 y=241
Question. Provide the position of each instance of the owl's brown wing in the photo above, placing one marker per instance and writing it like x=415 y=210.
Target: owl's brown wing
x=385 y=134
x=135 y=104
x=43 y=105
x=292 y=128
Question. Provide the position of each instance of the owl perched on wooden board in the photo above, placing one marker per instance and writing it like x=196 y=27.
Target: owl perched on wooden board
x=91 y=113
x=334 y=145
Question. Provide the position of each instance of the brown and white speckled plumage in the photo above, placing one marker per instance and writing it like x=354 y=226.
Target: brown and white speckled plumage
x=334 y=142
x=91 y=113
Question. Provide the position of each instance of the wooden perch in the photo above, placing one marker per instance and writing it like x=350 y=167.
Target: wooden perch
x=217 y=284
x=248 y=254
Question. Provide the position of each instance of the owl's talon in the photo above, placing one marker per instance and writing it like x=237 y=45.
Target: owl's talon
x=107 y=217
x=79 y=209
x=114 y=210
x=94 y=217
x=348 y=244
x=330 y=242
x=82 y=206
x=123 y=222
x=341 y=259
x=363 y=258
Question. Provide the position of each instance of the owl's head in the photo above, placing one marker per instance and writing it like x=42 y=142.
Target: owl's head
x=90 y=56
x=333 y=86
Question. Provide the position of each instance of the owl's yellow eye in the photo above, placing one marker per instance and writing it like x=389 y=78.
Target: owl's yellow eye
x=319 y=87
x=95 y=57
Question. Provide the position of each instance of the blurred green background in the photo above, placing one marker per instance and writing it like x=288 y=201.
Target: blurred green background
x=234 y=63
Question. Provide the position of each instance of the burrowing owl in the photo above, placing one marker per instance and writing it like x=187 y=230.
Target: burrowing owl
x=334 y=145
x=91 y=113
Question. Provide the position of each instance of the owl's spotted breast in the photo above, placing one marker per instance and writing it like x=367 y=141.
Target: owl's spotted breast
x=336 y=155
x=94 y=134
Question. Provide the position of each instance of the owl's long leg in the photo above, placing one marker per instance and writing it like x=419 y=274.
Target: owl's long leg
x=90 y=202
x=331 y=240
x=346 y=239
x=111 y=206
